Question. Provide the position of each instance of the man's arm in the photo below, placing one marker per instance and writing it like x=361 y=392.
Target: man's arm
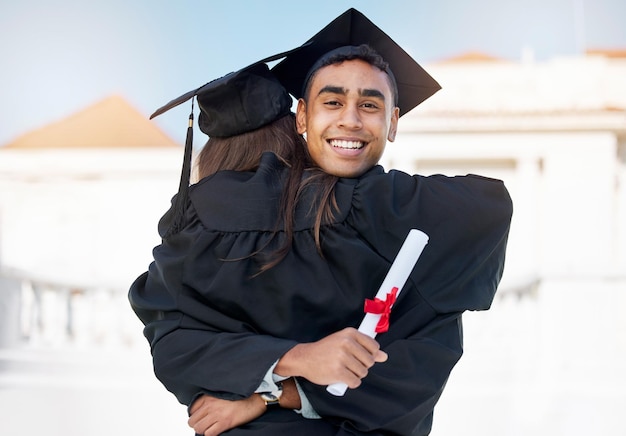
x=191 y=360
x=399 y=395
x=321 y=361
x=211 y=416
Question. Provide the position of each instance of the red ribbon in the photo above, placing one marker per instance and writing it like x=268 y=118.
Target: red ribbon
x=382 y=308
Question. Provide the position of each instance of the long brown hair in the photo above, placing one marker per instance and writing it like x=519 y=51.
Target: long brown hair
x=243 y=153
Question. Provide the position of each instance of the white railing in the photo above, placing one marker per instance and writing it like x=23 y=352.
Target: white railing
x=46 y=314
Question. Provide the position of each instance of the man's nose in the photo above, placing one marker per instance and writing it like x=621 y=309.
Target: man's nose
x=350 y=117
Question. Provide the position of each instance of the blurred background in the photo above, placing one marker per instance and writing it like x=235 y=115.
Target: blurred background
x=534 y=93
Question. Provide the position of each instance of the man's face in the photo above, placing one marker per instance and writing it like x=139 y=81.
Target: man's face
x=348 y=117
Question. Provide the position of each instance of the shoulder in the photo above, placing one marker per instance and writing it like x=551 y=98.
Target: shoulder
x=240 y=200
x=396 y=185
x=396 y=201
x=377 y=175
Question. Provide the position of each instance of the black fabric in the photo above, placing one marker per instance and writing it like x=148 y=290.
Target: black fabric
x=352 y=28
x=283 y=422
x=239 y=102
x=215 y=329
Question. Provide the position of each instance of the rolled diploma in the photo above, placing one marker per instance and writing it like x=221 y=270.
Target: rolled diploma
x=397 y=276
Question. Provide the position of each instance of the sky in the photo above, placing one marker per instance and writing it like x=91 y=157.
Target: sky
x=59 y=57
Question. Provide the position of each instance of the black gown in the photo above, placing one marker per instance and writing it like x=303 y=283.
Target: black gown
x=214 y=327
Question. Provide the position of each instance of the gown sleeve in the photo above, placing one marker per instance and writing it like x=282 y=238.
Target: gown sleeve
x=397 y=397
x=467 y=220
x=194 y=347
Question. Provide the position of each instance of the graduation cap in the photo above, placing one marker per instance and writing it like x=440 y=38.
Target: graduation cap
x=352 y=28
x=236 y=103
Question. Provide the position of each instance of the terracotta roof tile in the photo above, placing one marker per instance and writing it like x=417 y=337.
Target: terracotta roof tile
x=609 y=53
x=471 y=56
x=110 y=123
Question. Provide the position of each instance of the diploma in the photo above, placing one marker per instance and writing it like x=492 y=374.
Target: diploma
x=376 y=319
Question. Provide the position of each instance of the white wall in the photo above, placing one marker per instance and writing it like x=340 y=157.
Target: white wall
x=85 y=218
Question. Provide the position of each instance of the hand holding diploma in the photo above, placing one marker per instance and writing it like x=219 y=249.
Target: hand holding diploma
x=376 y=319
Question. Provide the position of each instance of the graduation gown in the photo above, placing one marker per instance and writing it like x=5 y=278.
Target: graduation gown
x=215 y=327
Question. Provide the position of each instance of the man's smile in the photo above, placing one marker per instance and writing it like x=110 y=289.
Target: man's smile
x=350 y=145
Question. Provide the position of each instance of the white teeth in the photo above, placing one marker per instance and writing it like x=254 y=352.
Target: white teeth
x=346 y=144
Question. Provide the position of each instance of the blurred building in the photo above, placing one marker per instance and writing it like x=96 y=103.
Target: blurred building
x=79 y=205
x=79 y=201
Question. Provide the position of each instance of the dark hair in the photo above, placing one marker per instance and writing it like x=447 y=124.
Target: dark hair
x=363 y=52
x=243 y=153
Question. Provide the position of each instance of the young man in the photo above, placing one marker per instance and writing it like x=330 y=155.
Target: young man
x=294 y=323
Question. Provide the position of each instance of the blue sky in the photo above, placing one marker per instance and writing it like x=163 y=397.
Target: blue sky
x=60 y=56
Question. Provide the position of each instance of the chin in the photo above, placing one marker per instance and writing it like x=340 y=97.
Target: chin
x=349 y=174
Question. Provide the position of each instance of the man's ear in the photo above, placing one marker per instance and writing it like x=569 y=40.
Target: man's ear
x=301 y=116
x=393 y=125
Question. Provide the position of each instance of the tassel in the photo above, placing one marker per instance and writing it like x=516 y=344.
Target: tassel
x=183 y=188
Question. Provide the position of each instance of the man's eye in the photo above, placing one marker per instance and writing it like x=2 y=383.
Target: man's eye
x=332 y=103
x=369 y=106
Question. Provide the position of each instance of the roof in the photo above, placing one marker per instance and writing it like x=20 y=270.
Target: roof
x=609 y=53
x=471 y=56
x=109 y=123
x=567 y=85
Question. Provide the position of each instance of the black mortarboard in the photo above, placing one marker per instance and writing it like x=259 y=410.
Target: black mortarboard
x=236 y=103
x=352 y=28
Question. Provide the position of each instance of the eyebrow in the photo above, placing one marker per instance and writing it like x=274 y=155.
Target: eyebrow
x=372 y=93
x=362 y=92
x=328 y=89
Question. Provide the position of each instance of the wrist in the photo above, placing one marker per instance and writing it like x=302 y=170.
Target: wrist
x=258 y=402
x=272 y=398
x=287 y=365
x=290 y=399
